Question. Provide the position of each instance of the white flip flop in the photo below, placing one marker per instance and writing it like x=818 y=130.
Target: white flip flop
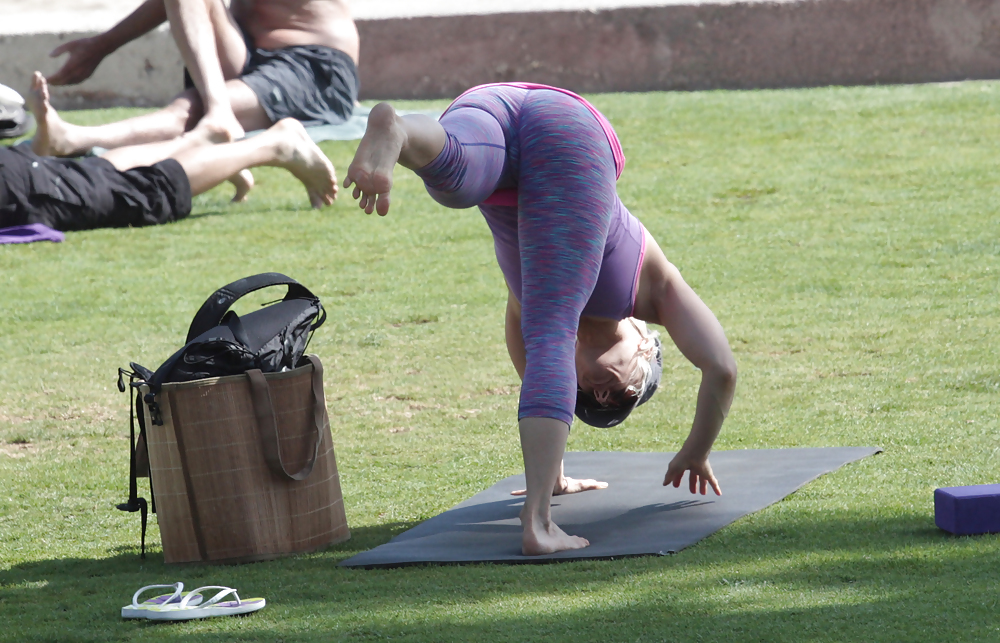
x=193 y=605
x=140 y=610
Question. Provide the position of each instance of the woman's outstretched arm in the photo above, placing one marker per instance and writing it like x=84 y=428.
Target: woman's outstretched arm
x=665 y=298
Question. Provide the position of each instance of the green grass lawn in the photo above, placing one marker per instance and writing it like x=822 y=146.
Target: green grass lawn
x=848 y=240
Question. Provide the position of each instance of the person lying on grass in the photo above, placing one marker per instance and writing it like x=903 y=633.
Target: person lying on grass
x=583 y=275
x=247 y=64
x=147 y=184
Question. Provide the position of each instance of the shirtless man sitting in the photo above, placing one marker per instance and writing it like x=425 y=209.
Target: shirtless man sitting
x=147 y=184
x=249 y=66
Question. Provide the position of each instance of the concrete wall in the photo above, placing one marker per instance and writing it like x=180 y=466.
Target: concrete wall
x=672 y=47
x=144 y=73
x=738 y=46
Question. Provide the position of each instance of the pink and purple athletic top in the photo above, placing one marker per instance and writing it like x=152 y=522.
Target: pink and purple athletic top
x=541 y=163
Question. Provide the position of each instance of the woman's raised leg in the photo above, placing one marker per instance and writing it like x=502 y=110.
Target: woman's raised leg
x=460 y=158
x=412 y=141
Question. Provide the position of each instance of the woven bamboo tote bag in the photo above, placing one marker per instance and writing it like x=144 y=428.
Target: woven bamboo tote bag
x=243 y=467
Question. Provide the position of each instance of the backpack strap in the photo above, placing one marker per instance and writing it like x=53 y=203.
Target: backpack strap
x=155 y=382
x=215 y=307
x=135 y=503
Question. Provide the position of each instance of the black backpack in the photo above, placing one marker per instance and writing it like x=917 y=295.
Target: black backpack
x=220 y=343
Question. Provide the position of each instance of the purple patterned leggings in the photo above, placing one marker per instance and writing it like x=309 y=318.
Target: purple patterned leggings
x=551 y=149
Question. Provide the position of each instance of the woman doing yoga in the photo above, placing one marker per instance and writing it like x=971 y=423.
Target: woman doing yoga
x=583 y=274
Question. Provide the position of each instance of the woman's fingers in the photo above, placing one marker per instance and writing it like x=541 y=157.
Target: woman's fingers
x=673 y=476
x=571 y=485
x=699 y=480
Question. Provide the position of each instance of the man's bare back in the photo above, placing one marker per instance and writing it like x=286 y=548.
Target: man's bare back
x=274 y=24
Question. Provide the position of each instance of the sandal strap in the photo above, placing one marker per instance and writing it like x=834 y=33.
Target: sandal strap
x=212 y=601
x=177 y=587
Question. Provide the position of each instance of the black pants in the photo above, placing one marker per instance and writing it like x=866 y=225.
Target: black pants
x=88 y=193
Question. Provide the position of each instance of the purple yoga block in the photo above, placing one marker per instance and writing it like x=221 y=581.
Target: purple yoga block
x=968 y=510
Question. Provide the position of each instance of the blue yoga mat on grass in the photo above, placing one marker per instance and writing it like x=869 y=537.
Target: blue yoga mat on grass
x=634 y=516
x=351 y=129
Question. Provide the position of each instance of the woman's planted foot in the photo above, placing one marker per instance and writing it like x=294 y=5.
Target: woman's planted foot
x=545 y=537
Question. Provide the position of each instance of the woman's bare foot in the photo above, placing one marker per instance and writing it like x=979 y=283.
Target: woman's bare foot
x=300 y=156
x=539 y=539
x=53 y=136
x=371 y=170
x=243 y=182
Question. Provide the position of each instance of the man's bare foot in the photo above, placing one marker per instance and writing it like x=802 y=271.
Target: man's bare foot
x=539 y=539
x=371 y=170
x=209 y=133
x=223 y=120
x=53 y=136
x=243 y=182
x=300 y=156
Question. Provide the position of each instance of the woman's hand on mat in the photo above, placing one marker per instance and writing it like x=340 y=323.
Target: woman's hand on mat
x=85 y=54
x=701 y=473
x=566 y=485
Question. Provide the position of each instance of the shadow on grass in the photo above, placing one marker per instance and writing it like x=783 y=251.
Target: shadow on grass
x=832 y=577
x=208 y=213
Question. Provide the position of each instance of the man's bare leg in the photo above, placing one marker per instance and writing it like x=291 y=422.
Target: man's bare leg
x=412 y=141
x=213 y=51
x=124 y=158
x=130 y=156
x=56 y=137
x=543 y=443
x=285 y=144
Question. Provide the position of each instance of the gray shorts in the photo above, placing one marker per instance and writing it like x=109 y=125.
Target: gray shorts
x=313 y=84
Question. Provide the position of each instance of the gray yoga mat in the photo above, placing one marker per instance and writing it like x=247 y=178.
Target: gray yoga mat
x=634 y=516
